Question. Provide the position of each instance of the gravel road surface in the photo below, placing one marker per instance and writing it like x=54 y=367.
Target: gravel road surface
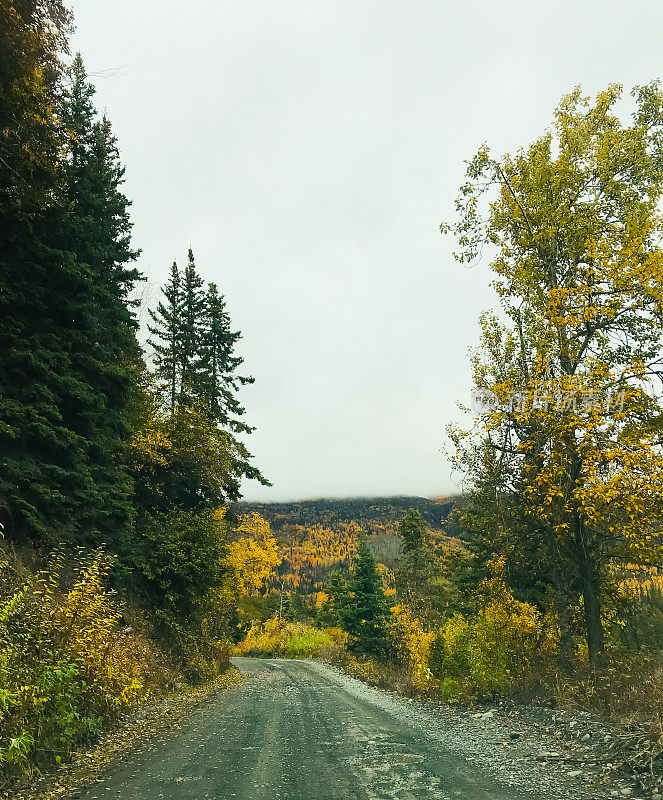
x=302 y=730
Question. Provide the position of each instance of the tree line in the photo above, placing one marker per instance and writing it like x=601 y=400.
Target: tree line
x=101 y=443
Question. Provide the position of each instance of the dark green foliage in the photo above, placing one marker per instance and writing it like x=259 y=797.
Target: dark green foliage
x=366 y=614
x=332 y=612
x=412 y=530
x=31 y=429
x=166 y=341
x=66 y=335
x=193 y=346
x=178 y=560
x=192 y=323
x=177 y=334
x=416 y=576
x=219 y=384
x=297 y=608
x=104 y=352
x=180 y=556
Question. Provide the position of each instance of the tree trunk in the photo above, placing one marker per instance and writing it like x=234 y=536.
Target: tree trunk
x=590 y=596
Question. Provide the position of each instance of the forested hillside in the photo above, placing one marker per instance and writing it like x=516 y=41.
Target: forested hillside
x=373 y=513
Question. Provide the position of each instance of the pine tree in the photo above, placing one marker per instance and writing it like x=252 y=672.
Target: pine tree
x=366 y=613
x=166 y=340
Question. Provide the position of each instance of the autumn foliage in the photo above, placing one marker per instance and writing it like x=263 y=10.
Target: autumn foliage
x=67 y=665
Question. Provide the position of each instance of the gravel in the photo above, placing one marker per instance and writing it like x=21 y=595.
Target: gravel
x=516 y=745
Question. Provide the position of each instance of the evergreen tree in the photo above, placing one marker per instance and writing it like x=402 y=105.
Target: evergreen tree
x=366 y=614
x=67 y=336
x=193 y=345
x=412 y=530
x=44 y=472
x=193 y=313
x=104 y=350
x=219 y=383
x=166 y=340
x=333 y=609
x=177 y=334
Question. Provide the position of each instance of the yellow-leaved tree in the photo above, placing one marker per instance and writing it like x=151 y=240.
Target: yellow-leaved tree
x=253 y=554
x=565 y=455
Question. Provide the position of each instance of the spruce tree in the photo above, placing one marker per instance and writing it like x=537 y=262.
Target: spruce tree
x=44 y=473
x=177 y=335
x=193 y=344
x=193 y=311
x=104 y=350
x=219 y=384
x=366 y=613
x=166 y=339
x=412 y=530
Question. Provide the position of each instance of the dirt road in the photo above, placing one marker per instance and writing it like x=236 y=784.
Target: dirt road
x=300 y=730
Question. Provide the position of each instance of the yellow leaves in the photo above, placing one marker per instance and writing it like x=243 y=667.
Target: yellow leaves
x=507 y=647
x=63 y=653
x=254 y=555
x=291 y=639
x=412 y=644
x=219 y=514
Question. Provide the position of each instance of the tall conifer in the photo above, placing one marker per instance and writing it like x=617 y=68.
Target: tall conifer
x=193 y=311
x=220 y=384
x=104 y=350
x=366 y=612
x=43 y=469
x=166 y=336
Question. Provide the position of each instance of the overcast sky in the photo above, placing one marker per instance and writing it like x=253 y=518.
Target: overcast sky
x=308 y=151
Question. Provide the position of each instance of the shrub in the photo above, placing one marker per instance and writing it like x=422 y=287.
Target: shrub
x=411 y=645
x=507 y=649
x=280 y=639
x=66 y=666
